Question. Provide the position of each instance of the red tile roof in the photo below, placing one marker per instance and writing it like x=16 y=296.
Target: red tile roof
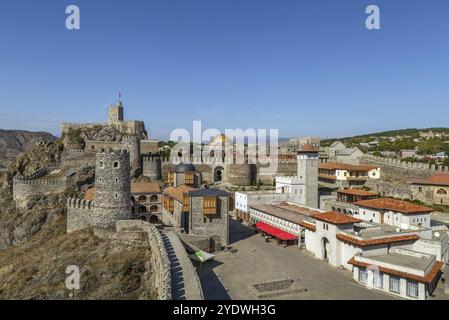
x=393 y=205
x=145 y=187
x=345 y=166
x=178 y=192
x=428 y=278
x=307 y=225
x=335 y=217
x=307 y=147
x=357 y=192
x=438 y=179
x=369 y=242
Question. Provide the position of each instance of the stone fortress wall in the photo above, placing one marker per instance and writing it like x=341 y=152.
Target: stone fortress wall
x=67 y=126
x=79 y=214
x=159 y=255
x=156 y=167
x=396 y=175
x=77 y=158
x=414 y=167
x=25 y=187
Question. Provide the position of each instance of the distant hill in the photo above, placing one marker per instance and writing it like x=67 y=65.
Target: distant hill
x=426 y=142
x=411 y=132
x=14 y=142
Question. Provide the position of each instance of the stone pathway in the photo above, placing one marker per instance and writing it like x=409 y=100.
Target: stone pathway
x=185 y=283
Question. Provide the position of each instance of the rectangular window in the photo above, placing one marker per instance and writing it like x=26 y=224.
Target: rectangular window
x=189 y=178
x=378 y=280
x=185 y=204
x=363 y=276
x=170 y=178
x=210 y=205
x=412 y=289
x=394 y=284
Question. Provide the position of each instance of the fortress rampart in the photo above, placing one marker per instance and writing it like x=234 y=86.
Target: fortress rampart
x=396 y=175
x=25 y=187
x=423 y=168
x=80 y=214
x=159 y=257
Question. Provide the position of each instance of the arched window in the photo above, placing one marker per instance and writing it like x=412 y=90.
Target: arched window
x=153 y=198
x=116 y=164
x=442 y=191
x=142 y=199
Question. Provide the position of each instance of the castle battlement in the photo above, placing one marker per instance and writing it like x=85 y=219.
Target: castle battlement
x=149 y=158
x=54 y=182
x=112 y=152
x=397 y=163
x=38 y=173
x=130 y=137
x=81 y=125
x=74 y=203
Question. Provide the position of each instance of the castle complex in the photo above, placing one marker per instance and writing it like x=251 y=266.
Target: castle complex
x=116 y=121
x=388 y=244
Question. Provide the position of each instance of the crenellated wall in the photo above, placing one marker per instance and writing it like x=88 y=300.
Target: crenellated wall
x=396 y=175
x=77 y=158
x=423 y=168
x=80 y=214
x=25 y=187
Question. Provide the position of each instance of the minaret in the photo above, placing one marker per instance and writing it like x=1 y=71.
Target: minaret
x=308 y=175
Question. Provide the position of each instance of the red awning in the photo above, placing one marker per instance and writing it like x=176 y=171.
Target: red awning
x=275 y=232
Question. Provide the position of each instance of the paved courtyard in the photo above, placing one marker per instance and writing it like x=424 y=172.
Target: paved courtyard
x=255 y=261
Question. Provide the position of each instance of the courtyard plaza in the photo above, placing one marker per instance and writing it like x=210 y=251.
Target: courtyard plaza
x=253 y=260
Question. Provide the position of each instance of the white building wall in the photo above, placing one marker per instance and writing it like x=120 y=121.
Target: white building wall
x=243 y=200
x=347 y=251
x=422 y=292
x=400 y=220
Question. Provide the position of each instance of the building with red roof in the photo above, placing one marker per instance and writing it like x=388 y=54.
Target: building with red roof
x=432 y=191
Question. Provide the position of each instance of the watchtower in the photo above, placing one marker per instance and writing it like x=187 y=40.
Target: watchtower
x=112 y=188
x=116 y=113
x=132 y=144
x=308 y=175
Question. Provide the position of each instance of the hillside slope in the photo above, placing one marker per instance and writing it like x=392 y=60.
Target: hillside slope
x=14 y=142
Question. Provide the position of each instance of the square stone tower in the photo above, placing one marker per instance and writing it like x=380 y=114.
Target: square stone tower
x=116 y=113
x=308 y=161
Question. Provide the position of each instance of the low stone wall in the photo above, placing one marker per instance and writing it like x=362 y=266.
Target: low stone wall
x=194 y=242
x=159 y=256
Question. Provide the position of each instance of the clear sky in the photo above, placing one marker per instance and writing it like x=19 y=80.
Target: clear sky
x=304 y=67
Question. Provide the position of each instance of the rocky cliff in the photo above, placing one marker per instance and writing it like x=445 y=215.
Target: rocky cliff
x=35 y=249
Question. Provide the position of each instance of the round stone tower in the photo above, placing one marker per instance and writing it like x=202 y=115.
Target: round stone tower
x=132 y=144
x=112 y=188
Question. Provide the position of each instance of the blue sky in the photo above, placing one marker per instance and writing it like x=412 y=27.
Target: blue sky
x=304 y=67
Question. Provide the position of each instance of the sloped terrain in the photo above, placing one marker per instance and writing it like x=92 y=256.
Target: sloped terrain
x=14 y=142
